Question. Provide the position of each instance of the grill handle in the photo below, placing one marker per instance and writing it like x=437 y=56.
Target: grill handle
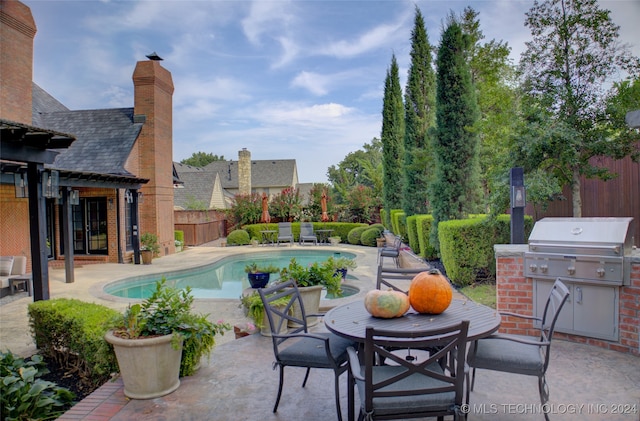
x=615 y=249
x=578 y=295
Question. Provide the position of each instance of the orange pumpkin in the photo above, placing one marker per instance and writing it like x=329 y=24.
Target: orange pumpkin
x=430 y=292
x=386 y=304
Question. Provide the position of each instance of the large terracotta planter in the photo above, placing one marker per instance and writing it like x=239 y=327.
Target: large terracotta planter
x=150 y=367
x=311 y=300
x=147 y=256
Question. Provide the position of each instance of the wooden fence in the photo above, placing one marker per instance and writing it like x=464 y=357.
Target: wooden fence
x=200 y=227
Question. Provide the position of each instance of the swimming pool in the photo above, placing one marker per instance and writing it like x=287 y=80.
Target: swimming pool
x=225 y=278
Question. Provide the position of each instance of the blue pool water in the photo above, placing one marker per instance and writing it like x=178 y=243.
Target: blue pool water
x=225 y=278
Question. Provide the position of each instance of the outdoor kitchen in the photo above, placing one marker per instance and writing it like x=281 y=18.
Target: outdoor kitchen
x=597 y=259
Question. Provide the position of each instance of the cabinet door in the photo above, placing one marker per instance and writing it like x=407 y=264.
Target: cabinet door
x=595 y=311
x=542 y=288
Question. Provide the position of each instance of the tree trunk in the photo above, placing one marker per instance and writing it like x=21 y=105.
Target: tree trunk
x=575 y=193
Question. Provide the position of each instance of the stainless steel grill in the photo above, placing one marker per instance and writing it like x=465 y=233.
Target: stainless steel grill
x=592 y=256
x=592 y=250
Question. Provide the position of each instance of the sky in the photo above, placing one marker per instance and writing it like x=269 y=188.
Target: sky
x=286 y=79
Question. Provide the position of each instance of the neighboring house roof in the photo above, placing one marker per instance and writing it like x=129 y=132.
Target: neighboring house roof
x=264 y=173
x=198 y=187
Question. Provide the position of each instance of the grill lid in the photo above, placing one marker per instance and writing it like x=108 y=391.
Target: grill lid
x=583 y=233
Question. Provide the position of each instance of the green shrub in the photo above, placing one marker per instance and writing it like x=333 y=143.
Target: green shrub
x=384 y=217
x=71 y=333
x=178 y=236
x=423 y=232
x=354 y=235
x=24 y=396
x=340 y=229
x=238 y=238
x=412 y=233
x=369 y=236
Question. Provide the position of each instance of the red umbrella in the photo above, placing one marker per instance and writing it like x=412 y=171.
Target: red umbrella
x=266 y=218
x=323 y=204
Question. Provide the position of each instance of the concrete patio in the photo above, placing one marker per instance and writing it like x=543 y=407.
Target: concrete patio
x=238 y=383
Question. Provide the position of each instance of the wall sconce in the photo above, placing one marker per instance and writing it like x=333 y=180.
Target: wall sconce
x=74 y=197
x=50 y=181
x=20 y=181
x=110 y=201
x=140 y=197
x=128 y=196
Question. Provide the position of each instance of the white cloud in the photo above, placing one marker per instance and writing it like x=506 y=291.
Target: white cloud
x=266 y=17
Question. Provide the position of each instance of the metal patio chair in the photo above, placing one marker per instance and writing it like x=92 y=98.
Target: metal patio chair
x=298 y=347
x=522 y=354
x=430 y=388
x=307 y=234
x=284 y=233
x=392 y=251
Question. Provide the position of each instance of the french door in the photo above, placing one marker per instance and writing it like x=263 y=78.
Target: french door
x=89 y=220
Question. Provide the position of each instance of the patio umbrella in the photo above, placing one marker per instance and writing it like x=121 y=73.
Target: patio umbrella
x=323 y=204
x=266 y=218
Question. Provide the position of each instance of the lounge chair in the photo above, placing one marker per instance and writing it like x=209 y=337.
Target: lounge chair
x=285 y=233
x=306 y=233
x=11 y=267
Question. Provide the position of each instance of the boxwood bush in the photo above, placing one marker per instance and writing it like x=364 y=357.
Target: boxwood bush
x=354 y=235
x=71 y=333
x=238 y=238
x=369 y=236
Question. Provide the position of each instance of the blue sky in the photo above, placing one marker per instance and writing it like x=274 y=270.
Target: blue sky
x=285 y=79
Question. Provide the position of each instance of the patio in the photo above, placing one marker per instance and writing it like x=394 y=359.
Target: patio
x=586 y=383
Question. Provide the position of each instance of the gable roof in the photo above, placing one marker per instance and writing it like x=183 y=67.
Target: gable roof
x=198 y=185
x=264 y=173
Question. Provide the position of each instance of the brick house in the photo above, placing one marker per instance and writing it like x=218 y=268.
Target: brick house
x=117 y=162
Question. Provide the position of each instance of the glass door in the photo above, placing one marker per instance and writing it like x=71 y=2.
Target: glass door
x=89 y=220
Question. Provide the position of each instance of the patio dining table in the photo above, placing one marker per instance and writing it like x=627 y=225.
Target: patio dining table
x=351 y=320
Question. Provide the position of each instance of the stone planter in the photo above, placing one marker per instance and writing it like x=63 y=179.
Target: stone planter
x=266 y=330
x=150 y=367
x=381 y=242
x=147 y=256
x=311 y=300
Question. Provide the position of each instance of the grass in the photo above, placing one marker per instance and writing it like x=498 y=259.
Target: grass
x=481 y=293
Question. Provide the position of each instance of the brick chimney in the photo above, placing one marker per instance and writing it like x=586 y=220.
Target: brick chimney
x=153 y=99
x=244 y=171
x=17 y=31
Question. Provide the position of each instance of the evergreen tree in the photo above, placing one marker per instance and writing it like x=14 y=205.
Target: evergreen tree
x=419 y=112
x=392 y=137
x=455 y=144
x=573 y=56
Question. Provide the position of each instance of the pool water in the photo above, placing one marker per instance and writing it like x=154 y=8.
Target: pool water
x=225 y=278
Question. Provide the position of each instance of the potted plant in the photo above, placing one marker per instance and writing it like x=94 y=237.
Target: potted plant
x=254 y=309
x=178 y=244
x=149 y=247
x=259 y=275
x=334 y=241
x=342 y=264
x=311 y=280
x=157 y=340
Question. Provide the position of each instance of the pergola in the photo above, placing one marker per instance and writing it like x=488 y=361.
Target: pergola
x=28 y=151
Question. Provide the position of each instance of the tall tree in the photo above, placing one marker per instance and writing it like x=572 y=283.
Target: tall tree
x=392 y=137
x=363 y=166
x=494 y=77
x=419 y=114
x=201 y=159
x=455 y=143
x=573 y=56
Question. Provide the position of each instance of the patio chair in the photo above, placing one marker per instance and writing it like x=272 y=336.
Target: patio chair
x=430 y=388
x=298 y=347
x=397 y=279
x=284 y=233
x=306 y=233
x=392 y=251
x=522 y=354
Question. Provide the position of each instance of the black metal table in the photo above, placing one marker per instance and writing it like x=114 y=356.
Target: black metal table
x=351 y=320
x=268 y=237
x=323 y=235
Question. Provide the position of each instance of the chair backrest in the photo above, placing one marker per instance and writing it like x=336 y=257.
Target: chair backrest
x=555 y=301
x=19 y=265
x=306 y=229
x=397 y=279
x=284 y=229
x=446 y=343
x=278 y=301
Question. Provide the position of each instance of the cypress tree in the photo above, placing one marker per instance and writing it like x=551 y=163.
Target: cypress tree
x=392 y=137
x=419 y=118
x=455 y=145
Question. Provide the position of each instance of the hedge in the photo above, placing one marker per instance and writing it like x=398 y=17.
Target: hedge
x=71 y=332
x=340 y=229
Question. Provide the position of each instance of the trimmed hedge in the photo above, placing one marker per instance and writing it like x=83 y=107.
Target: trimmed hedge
x=355 y=234
x=71 y=332
x=340 y=229
x=466 y=246
x=423 y=232
x=370 y=235
x=412 y=233
x=179 y=235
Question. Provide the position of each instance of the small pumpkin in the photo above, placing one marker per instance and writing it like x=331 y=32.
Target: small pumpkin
x=386 y=304
x=430 y=292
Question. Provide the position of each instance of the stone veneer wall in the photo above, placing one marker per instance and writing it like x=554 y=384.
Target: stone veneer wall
x=515 y=294
x=244 y=171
